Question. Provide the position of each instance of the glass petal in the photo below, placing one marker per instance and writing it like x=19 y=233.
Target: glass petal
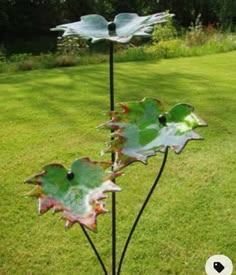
x=77 y=192
x=141 y=129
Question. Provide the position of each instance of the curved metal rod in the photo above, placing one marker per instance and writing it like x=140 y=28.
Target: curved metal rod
x=95 y=250
x=141 y=210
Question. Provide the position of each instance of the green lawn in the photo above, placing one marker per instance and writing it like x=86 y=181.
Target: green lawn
x=51 y=116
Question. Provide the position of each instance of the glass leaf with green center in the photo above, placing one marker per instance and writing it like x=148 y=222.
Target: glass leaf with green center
x=143 y=128
x=77 y=192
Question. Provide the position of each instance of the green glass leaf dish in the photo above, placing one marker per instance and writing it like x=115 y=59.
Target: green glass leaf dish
x=143 y=128
x=77 y=192
x=122 y=29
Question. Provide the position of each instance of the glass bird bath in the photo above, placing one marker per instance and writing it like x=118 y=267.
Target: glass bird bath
x=139 y=130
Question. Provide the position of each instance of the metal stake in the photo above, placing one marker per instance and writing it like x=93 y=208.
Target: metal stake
x=112 y=103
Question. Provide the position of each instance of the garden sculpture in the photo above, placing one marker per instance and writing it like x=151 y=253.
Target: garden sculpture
x=139 y=130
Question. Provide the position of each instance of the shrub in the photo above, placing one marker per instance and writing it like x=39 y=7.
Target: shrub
x=3 y=66
x=131 y=54
x=46 y=61
x=66 y=60
x=93 y=59
x=2 y=53
x=165 y=49
x=164 y=32
x=20 y=57
x=219 y=43
x=71 y=45
x=27 y=65
x=215 y=42
x=196 y=35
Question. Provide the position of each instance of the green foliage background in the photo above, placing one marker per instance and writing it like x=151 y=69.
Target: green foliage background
x=26 y=23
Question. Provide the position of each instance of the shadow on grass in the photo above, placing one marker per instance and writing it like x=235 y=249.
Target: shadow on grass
x=65 y=94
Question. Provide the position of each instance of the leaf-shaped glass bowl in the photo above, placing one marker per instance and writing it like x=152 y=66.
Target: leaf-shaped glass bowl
x=77 y=192
x=122 y=29
x=142 y=128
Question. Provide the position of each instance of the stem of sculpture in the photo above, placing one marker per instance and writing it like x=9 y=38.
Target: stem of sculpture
x=111 y=68
x=112 y=103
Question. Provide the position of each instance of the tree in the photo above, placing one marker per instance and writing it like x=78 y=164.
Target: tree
x=226 y=12
x=27 y=18
x=4 y=18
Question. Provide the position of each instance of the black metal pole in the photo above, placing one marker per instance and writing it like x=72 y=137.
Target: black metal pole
x=112 y=103
x=95 y=250
x=111 y=68
x=141 y=210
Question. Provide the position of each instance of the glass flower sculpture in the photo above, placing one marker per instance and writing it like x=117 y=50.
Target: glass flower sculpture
x=122 y=29
x=142 y=128
x=139 y=130
x=77 y=192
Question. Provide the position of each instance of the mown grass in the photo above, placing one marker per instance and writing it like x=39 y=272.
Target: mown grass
x=51 y=116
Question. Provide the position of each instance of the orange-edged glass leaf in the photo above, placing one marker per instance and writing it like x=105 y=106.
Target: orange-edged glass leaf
x=77 y=192
x=142 y=128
